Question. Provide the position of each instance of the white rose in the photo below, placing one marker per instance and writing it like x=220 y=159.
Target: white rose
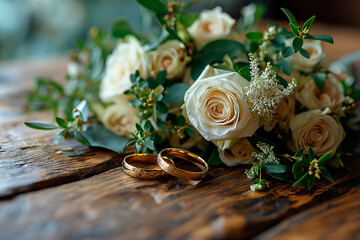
x=316 y=130
x=171 y=56
x=316 y=55
x=239 y=153
x=331 y=97
x=216 y=107
x=120 y=118
x=127 y=57
x=211 y=25
x=283 y=114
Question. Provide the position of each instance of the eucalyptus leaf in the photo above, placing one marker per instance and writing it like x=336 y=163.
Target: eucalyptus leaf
x=40 y=126
x=285 y=67
x=213 y=52
x=287 y=52
x=319 y=79
x=98 y=136
x=175 y=93
x=274 y=167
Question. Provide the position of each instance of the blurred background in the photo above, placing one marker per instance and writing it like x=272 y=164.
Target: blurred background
x=48 y=28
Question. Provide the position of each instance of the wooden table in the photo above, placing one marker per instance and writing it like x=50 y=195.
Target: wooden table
x=45 y=194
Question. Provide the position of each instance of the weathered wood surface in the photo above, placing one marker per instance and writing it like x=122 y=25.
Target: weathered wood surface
x=113 y=205
x=336 y=219
x=28 y=158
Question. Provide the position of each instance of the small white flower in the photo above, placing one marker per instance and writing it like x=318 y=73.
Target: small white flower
x=264 y=93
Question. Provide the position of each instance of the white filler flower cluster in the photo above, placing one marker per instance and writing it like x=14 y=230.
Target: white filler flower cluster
x=264 y=93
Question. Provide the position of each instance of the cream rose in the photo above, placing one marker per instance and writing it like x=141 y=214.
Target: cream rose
x=316 y=55
x=171 y=56
x=316 y=130
x=283 y=114
x=332 y=95
x=239 y=153
x=216 y=107
x=120 y=118
x=127 y=57
x=211 y=25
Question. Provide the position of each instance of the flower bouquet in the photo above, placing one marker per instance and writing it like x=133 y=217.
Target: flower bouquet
x=206 y=83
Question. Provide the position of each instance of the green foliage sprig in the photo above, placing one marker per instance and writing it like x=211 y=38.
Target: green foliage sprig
x=154 y=98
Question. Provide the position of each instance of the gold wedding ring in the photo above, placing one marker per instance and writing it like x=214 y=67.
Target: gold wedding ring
x=168 y=165
x=143 y=166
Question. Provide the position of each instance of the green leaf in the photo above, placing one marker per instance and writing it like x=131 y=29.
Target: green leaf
x=282 y=81
x=154 y=5
x=274 y=167
x=214 y=159
x=302 y=180
x=149 y=143
x=131 y=143
x=285 y=67
x=304 y=53
x=319 y=79
x=254 y=36
x=148 y=126
x=297 y=44
x=308 y=23
x=311 y=154
x=40 y=126
x=190 y=132
x=161 y=77
x=187 y=19
x=162 y=125
x=213 y=52
x=175 y=93
x=285 y=175
x=311 y=181
x=324 y=172
x=180 y=120
x=297 y=170
x=162 y=107
x=299 y=153
x=245 y=73
x=121 y=28
x=324 y=158
x=294 y=29
x=323 y=38
x=61 y=122
x=98 y=136
x=287 y=52
x=289 y=15
x=81 y=138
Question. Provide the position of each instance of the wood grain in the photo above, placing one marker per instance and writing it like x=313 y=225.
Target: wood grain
x=113 y=205
x=336 y=219
x=29 y=159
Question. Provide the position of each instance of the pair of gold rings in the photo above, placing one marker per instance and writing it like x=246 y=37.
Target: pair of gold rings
x=151 y=166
